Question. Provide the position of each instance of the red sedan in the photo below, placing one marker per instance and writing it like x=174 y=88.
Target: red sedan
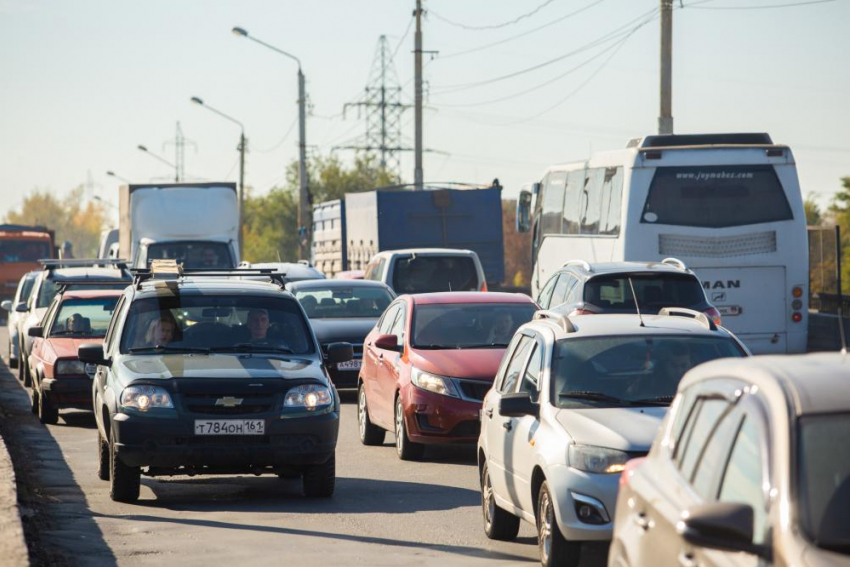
x=428 y=364
x=60 y=379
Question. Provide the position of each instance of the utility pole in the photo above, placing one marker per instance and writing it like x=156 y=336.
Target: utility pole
x=417 y=51
x=180 y=142
x=665 y=118
x=305 y=218
x=242 y=149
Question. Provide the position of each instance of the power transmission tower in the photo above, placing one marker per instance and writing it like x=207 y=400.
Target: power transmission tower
x=179 y=142
x=383 y=110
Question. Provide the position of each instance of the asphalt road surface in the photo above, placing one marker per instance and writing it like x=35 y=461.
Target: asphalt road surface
x=384 y=511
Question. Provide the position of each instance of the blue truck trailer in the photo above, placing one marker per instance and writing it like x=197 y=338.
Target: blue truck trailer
x=348 y=232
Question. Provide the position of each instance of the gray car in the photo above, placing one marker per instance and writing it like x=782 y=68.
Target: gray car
x=17 y=307
x=573 y=401
x=751 y=467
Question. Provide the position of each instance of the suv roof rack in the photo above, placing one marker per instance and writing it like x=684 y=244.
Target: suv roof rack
x=698 y=316
x=559 y=319
x=171 y=270
x=675 y=262
x=64 y=284
x=581 y=263
x=54 y=263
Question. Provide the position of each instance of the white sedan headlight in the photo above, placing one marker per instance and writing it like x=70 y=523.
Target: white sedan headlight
x=69 y=368
x=144 y=398
x=597 y=459
x=434 y=383
x=308 y=396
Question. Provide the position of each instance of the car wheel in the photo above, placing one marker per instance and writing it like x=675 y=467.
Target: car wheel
x=498 y=523
x=47 y=414
x=102 y=457
x=370 y=434
x=27 y=376
x=124 y=481
x=404 y=447
x=554 y=549
x=319 y=481
x=34 y=399
x=21 y=364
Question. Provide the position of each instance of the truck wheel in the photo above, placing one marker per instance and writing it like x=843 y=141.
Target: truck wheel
x=498 y=523
x=47 y=414
x=124 y=481
x=404 y=447
x=370 y=434
x=319 y=481
x=102 y=457
x=554 y=549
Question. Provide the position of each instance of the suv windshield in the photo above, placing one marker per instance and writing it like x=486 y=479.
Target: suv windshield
x=629 y=370
x=612 y=294
x=24 y=250
x=468 y=325
x=83 y=317
x=193 y=255
x=824 y=481
x=426 y=274
x=344 y=302
x=716 y=196
x=216 y=323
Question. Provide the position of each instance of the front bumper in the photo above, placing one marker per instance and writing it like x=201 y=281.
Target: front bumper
x=163 y=443
x=343 y=378
x=433 y=418
x=565 y=482
x=68 y=392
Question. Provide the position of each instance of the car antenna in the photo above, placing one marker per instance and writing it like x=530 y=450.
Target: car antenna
x=637 y=307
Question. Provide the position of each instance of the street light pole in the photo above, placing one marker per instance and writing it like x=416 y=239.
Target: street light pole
x=243 y=142
x=118 y=177
x=305 y=221
x=162 y=159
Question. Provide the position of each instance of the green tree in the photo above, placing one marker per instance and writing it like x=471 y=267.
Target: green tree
x=71 y=218
x=814 y=217
x=841 y=209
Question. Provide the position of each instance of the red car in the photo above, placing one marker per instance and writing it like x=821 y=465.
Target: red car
x=428 y=364
x=60 y=379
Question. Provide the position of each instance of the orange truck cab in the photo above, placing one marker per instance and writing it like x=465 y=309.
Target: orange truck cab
x=21 y=247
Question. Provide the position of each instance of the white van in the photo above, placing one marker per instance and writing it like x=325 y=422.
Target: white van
x=426 y=270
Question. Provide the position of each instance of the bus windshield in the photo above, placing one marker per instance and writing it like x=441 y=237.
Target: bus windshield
x=716 y=196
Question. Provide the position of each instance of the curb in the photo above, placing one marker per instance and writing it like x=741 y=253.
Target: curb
x=13 y=548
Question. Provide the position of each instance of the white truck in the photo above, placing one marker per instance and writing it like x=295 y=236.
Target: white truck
x=196 y=224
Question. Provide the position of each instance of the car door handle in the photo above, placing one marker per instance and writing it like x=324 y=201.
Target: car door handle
x=381 y=356
x=642 y=521
x=686 y=559
x=507 y=425
x=489 y=412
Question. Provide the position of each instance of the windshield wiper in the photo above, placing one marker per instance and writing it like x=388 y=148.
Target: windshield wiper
x=166 y=348
x=593 y=396
x=250 y=347
x=653 y=401
x=485 y=345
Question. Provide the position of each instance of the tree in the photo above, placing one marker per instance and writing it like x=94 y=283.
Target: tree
x=72 y=218
x=517 y=249
x=814 y=217
x=841 y=209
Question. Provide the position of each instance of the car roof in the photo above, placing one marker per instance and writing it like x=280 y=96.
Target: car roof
x=90 y=273
x=91 y=293
x=469 y=297
x=625 y=267
x=223 y=285
x=813 y=383
x=623 y=324
x=428 y=252
x=291 y=269
x=333 y=284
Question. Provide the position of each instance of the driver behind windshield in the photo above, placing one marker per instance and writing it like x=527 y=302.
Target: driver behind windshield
x=258 y=324
x=503 y=328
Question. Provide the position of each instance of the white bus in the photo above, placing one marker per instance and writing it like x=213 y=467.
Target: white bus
x=728 y=205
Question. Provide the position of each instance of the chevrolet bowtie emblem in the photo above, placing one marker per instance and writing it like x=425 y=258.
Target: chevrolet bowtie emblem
x=229 y=402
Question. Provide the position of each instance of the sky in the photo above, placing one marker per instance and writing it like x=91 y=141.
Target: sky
x=84 y=82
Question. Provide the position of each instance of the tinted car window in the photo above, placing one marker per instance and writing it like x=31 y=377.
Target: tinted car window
x=83 y=317
x=344 y=302
x=515 y=367
x=546 y=294
x=193 y=255
x=743 y=480
x=824 y=480
x=26 y=289
x=612 y=294
x=716 y=196
x=425 y=274
x=702 y=422
x=226 y=323
x=468 y=325
x=23 y=250
x=561 y=288
x=531 y=378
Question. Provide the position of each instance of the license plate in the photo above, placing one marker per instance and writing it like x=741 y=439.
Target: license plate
x=350 y=365
x=729 y=310
x=230 y=427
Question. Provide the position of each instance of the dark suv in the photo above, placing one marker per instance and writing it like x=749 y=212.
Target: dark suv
x=201 y=374
x=606 y=288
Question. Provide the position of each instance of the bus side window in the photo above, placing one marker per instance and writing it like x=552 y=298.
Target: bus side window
x=553 y=201
x=591 y=201
x=612 y=195
x=572 y=197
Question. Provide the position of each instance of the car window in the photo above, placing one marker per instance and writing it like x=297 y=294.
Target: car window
x=388 y=319
x=398 y=326
x=701 y=423
x=573 y=292
x=469 y=325
x=714 y=453
x=344 y=302
x=613 y=294
x=506 y=359
x=47 y=319
x=530 y=382
x=743 y=479
x=25 y=289
x=516 y=365
x=425 y=274
x=374 y=270
x=82 y=317
x=561 y=289
x=546 y=294
x=111 y=329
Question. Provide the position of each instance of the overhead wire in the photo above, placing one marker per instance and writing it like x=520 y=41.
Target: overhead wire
x=471 y=27
x=764 y=7
x=281 y=141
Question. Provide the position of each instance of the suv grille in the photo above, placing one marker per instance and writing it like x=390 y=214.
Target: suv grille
x=226 y=404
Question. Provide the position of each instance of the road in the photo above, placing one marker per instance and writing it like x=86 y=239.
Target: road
x=384 y=511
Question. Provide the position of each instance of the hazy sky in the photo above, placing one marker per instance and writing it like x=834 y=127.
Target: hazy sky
x=85 y=81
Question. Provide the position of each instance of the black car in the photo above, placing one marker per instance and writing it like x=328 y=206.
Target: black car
x=343 y=311
x=202 y=374
x=611 y=287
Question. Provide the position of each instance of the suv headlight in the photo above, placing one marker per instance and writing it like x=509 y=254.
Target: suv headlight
x=69 y=368
x=144 y=398
x=308 y=396
x=433 y=383
x=597 y=459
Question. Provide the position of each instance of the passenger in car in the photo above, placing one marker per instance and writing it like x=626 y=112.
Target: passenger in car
x=161 y=330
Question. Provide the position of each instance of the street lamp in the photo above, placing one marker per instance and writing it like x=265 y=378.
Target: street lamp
x=162 y=159
x=304 y=220
x=242 y=147
x=118 y=177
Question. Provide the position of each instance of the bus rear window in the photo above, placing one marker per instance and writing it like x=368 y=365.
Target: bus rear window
x=716 y=196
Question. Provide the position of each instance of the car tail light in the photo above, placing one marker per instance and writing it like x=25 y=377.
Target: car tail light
x=797 y=317
x=483 y=286
x=629 y=471
x=797 y=291
x=713 y=314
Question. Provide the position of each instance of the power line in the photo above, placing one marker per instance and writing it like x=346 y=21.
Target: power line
x=403 y=37
x=492 y=26
x=765 y=7
x=281 y=141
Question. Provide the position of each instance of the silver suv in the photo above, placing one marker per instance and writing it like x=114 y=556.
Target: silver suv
x=573 y=401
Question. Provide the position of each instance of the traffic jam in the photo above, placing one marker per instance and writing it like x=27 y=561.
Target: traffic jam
x=615 y=406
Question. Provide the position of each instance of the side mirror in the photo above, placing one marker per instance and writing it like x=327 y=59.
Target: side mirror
x=387 y=342
x=21 y=307
x=35 y=331
x=92 y=354
x=340 y=352
x=518 y=405
x=523 y=212
x=722 y=525
x=6 y=305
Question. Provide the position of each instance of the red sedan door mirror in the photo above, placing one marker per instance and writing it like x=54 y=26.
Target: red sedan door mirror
x=387 y=342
